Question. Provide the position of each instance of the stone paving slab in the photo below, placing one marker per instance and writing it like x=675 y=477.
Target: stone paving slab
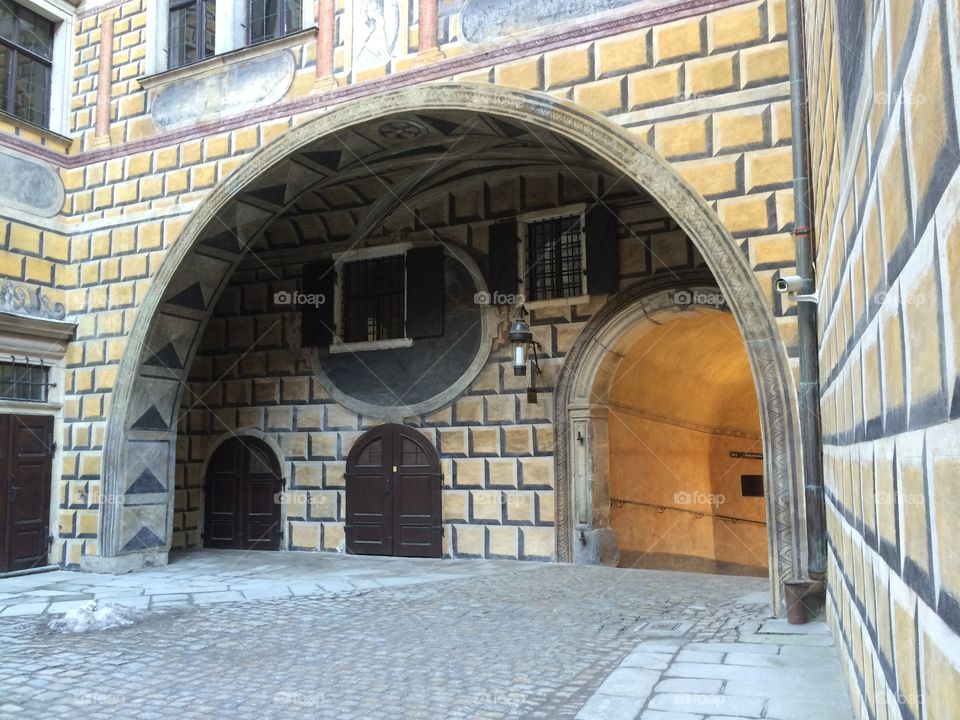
x=344 y=637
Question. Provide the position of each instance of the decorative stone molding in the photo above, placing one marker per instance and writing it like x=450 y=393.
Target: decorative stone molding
x=38 y=189
x=22 y=300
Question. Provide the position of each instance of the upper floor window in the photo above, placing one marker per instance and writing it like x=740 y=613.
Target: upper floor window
x=271 y=19
x=26 y=60
x=373 y=299
x=192 y=27
x=555 y=264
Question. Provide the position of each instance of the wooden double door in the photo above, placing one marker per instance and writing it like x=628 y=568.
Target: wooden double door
x=26 y=452
x=393 y=504
x=242 y=497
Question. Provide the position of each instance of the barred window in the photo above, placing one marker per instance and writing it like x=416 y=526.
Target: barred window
x=26 y=59
x=271 y=19
x=24 y=380
x=373 y=299
x=554 y=262
x=192 y=31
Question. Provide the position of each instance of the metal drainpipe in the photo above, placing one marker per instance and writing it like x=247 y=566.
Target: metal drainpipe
x=806 y=309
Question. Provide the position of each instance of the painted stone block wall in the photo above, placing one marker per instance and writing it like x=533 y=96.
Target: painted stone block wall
x=496 y=449
x=707 y=90
x=883 y=81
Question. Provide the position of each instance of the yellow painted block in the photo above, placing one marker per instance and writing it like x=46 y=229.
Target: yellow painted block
x=126 y=192
x=768 y=168
x=567 y=66
x=503 y=541
x=24 y=239
x=681 y=138
x=602 y=96
x=764 y=64
x=735 y=27
x=177 y=181
x=216 y=147
x=739 y=129
x=709 y=75
x=245 y=139
x=712 y=177
x=622 y=53
x=11 y=265
x=165 y=158
x=749 y=214
x=538 y=542
x=203 y=176
x=151 y=187
x=39 y=270
x=133 y=105
x=677 y=40
x=772 y=250
x=139 y=164
x=653 y=87
x=468 y=540
x=524 y=74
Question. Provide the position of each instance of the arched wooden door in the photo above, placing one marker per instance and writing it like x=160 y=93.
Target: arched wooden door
x=393 y=494
x=242 y=511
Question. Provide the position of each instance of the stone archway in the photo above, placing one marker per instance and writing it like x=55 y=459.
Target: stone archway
x=581 y=419
x=138 y=456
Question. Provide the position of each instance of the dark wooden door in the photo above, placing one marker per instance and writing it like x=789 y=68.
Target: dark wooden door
x=393 y=500
x=242 y=511
x=26 y=450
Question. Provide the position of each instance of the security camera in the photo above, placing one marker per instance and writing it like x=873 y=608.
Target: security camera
x=789 y=284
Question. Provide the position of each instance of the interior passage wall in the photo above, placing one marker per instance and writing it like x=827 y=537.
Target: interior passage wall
x=681 y=402
x=883 y=83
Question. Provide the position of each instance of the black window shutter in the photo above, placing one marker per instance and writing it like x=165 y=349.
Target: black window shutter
x=603 y=252
x=425 y=292
x=503 y=258
x=316 y=328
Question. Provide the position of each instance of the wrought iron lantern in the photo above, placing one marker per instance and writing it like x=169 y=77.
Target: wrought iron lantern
x=524 y=346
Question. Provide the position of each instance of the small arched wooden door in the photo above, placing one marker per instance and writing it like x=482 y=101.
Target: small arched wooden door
x=393 y=494
x=242 y=508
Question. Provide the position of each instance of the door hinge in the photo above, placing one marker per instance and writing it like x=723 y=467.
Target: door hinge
x=51 y=445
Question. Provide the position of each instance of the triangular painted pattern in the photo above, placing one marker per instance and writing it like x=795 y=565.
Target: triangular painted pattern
x=147 y=482
x=145 y=538
x=151 y=420
x=190 y=297
x=166 y=357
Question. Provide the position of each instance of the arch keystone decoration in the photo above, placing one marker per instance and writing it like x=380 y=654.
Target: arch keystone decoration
x=141 y=428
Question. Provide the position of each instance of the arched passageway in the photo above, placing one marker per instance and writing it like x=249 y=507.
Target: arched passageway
x=685 y=451
x=414 y=141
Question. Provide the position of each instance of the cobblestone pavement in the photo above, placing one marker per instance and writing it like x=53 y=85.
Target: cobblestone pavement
x=417 y=639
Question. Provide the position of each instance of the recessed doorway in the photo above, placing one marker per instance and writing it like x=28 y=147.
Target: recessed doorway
x=243 y=484
x=393 y=503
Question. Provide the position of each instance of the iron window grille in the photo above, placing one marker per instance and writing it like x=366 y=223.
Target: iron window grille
x=554 y=258
x=23 y=379
x=373 y=299
x=26 y=60
x=191 y=32
x=270 y=19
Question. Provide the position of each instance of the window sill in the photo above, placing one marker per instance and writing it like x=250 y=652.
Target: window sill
x=354 y=347
x=556 y=302
x=47 y=136
x=212 y=65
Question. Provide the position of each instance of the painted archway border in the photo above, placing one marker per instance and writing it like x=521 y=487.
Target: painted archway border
x=583 y=532
x=608 y=142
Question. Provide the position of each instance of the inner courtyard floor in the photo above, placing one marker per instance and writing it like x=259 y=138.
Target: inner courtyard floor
x=274 y=635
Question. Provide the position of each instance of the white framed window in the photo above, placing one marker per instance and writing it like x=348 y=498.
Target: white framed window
x=36 y=37
x=552 y=256
x=370 y=300
x=188 y=31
